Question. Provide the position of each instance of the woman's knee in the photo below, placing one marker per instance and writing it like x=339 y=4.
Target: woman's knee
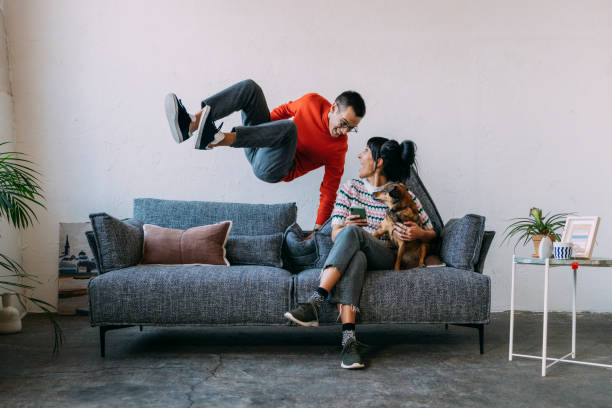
x=350 y=232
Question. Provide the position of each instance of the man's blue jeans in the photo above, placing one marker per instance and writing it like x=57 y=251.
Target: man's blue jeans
x=269 y=146
x=354 y=252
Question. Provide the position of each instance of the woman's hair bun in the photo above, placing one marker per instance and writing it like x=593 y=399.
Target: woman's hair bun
x=408 y=152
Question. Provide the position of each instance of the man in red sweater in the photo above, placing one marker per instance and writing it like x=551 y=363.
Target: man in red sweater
x=278 y=149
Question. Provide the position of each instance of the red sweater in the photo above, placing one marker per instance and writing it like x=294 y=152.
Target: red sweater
x=315 y=147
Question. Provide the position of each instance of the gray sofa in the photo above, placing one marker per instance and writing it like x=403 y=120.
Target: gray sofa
x=272 y=268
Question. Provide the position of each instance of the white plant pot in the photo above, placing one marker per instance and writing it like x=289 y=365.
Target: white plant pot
x=10 y=318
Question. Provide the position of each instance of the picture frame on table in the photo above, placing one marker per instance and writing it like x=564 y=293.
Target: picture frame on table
x=581 y=232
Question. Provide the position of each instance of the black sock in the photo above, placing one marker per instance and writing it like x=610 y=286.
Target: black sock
x=348 y=332
x=348 y=326
x=322 y=292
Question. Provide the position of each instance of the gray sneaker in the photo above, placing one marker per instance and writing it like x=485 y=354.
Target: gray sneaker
x=350 y=355
x=305 y=314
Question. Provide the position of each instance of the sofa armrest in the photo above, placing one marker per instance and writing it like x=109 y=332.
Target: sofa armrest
x=486 y=244
x=118 y=242
x=91 y=240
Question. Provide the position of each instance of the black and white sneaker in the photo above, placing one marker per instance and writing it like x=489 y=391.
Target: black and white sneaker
x=351 y=357
x=178 y=118
x=305 y=314
x=207 y=132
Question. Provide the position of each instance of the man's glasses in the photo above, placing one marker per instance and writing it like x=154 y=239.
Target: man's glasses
x=344 y=124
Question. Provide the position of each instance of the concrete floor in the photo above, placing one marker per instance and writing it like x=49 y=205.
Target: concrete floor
x=408 y=366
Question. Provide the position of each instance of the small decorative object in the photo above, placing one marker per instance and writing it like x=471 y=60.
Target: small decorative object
x=563 y=250
x=545 y=250
x=535 y=227
x=10 y=318
x=581 y=231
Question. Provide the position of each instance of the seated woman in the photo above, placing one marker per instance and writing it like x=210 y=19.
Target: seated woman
x=355 y=250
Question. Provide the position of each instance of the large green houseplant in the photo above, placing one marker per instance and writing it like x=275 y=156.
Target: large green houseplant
x=535 y=227
x=19 y=193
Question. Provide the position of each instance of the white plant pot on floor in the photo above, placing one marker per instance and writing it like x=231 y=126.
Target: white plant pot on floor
x=10 y=318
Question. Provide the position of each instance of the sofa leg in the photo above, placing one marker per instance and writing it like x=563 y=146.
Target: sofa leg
x=103 y=330
x=102 y=341
x=480 y=328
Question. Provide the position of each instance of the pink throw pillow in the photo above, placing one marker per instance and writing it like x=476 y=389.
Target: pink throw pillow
x=198 y=245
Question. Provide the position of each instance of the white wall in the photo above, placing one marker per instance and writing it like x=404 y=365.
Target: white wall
x=508 y=101
x=9 y=236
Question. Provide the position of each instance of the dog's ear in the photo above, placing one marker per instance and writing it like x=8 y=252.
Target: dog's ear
x=395 y=192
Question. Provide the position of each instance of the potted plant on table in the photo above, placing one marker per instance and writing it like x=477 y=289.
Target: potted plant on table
x=535 y=227
x=19 y=192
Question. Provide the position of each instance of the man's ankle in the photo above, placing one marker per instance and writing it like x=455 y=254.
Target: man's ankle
x=195 y=121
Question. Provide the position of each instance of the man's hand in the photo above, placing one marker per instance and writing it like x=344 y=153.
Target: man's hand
x=355 y=220
x=408 y=231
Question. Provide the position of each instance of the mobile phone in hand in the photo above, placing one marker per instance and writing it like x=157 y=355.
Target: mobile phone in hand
x=360 y=211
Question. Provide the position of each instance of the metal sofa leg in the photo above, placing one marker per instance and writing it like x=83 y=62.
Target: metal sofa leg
x=480 y=328
x=103 y=330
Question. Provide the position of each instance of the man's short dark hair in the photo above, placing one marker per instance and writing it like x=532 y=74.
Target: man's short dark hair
x=352 y=99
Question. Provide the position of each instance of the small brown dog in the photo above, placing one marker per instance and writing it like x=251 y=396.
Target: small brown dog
x=402 y=208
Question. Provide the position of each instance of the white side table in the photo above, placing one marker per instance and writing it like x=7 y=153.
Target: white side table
x=548 y=263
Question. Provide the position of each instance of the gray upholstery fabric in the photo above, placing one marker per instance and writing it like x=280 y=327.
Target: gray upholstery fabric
x=462 y=240
x=415 y=185
x=484 y=249
x=248 y=219
x=190 y=294
x=255 y=250
x=119 y=242
x=300 y=253
x=91 y=240
x=421 y=295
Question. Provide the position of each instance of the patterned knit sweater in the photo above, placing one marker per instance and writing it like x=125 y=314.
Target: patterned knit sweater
x=359 y=193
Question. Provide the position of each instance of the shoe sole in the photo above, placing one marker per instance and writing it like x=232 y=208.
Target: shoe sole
x=205 y=113
x=352 y=366
x=301 y=323
x=171 y=105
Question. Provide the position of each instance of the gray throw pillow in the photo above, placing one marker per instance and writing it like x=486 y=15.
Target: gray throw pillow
x=461 y=241
x=255 y=249
x=118 y=242
x=301 y=253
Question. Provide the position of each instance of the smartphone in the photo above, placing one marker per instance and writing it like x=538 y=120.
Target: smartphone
x=360 y=211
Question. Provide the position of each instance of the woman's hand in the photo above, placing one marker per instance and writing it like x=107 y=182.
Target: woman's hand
x=355 y=220
x=408 y=231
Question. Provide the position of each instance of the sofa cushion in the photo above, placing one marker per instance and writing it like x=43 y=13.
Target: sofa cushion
x=190 y=294
x=462 y=240
x=248 y=219
x=198 y=245
x=118 y=242
x=255 y=250
x=420 y=295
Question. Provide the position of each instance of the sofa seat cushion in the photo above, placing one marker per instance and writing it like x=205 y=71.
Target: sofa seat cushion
x=420 y=295
x=190 y=294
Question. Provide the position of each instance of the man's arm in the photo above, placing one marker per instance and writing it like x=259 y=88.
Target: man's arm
x=329 y=187
x=285 y=111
